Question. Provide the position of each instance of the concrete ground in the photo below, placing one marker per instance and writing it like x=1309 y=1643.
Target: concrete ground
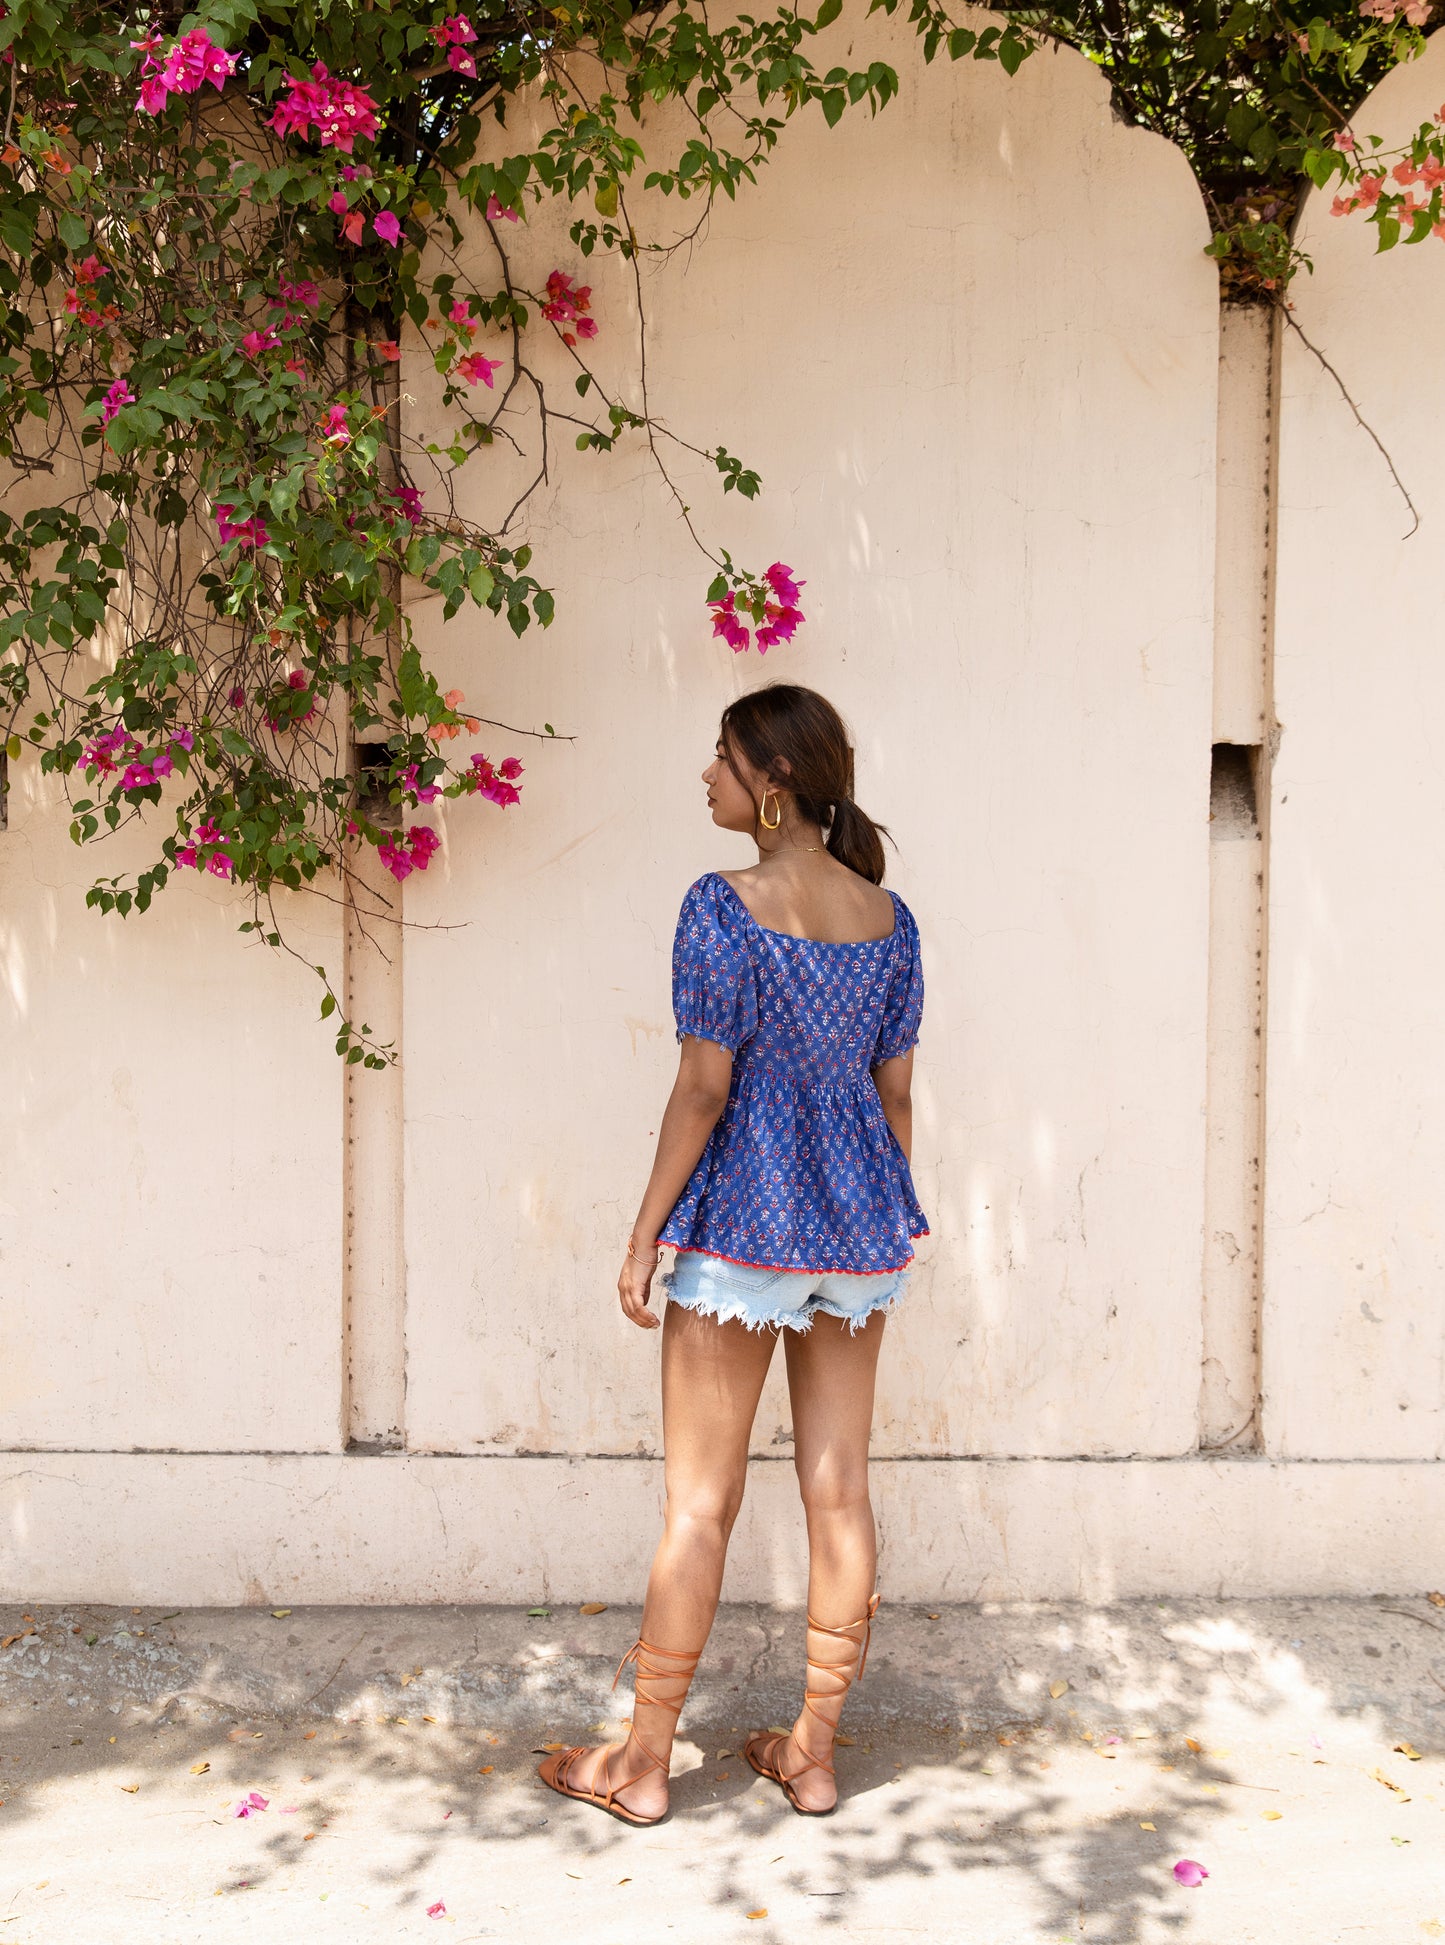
x=1019 y=1775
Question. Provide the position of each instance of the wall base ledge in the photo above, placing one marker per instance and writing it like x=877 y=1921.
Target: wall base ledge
x=241 y=1529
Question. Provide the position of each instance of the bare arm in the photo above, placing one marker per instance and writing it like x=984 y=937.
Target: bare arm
x=699 y=1095
x=894 y=1081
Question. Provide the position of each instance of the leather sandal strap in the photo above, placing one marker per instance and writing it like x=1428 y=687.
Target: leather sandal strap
x=844 y=1633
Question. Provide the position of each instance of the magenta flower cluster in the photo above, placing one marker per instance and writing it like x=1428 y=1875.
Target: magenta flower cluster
x=119 y=394
x=193 y=59
x=337 y=112
x=414 y=852
x=206 y=835
x=454 y=34
x=781 y=616
x=102 y=754
x=250 y=533
x=497 y=785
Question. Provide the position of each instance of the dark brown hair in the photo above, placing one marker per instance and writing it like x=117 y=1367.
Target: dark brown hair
x=797 y=735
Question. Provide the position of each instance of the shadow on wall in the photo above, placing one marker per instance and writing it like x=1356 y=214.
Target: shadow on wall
x=1016 y=1774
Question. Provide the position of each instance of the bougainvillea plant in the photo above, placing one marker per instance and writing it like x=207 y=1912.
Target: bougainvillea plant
x=1259 y=95
x=218 y=227
x=215 y=229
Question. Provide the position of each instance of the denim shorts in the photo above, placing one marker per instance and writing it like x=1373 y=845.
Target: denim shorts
x=765 y=1299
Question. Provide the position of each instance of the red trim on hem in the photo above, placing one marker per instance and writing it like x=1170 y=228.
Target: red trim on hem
x=693 y=1249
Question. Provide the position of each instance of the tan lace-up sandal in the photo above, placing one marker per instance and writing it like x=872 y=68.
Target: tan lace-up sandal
x=762 y=1749
x=557 y=1769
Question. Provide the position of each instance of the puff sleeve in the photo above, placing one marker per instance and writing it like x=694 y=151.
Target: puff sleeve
x=714 y=993
x=903 y=1003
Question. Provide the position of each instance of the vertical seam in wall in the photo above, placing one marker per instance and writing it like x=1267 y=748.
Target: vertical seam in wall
x=1264 y=800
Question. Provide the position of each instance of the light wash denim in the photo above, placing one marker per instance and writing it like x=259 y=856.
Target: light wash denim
x=765 y=1299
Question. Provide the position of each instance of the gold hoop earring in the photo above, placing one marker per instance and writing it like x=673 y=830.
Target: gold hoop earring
x=762 y=811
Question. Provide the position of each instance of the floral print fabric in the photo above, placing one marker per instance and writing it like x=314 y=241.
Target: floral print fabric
x=802 y=1171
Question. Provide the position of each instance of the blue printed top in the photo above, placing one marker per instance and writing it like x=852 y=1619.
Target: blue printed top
x=802 y=1171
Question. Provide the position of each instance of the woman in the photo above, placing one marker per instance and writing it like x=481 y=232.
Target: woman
x=782 y=1181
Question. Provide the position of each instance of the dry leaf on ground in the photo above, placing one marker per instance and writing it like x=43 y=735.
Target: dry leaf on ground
x=199 y=1769
x=593 y=1607
x=1148 y=1826
x=1405 y=1749
x=1056 y=1689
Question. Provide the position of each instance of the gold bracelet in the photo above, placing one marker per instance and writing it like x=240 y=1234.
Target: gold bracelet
x=637 y=1259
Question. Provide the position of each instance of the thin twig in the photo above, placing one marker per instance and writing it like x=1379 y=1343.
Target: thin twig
x=1360 y=421
x=1432 y=1625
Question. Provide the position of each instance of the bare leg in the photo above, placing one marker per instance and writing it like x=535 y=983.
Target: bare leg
x=712 y=1378
x=831 y=1382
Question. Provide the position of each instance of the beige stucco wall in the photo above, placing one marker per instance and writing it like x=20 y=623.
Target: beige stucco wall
x=1354 y=1316
x=973 y=347
x=972 y=353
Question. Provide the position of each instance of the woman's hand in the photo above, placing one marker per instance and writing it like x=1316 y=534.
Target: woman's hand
x=635 y=1284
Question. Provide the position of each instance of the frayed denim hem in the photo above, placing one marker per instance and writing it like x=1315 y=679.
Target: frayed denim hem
x=735 y=1311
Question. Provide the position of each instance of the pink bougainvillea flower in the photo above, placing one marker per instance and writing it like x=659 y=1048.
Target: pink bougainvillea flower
x=353 y=226
x=475 y=368
x=424 y=845
x=1187 y=1872
x=460 y=62
x=305 y=293
x=101 y=754
x=490 y=783
x=453 y=31
x=137 y=776
x=193 y=59
x=780 y=580
x=236 y=697
x=1343 y=140
x=726 y=623
x=119 y=394
x=461 y=315
x=437 y=1910
x=336 y=202
x=209 y=832
x=184 y=739
x=296 y=679
x=387 y=227
x=509 y=768
x=396 y=858
x=336 y=112
x=250 y=533
x=187 y=854
x=89 y=271
x=334 y=429
x=409 y=500
x=494 y=211
x=162 y=765
x=219 y=862
x=255 y=342
x=390 y=350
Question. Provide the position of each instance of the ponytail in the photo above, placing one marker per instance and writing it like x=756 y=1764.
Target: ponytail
x=855 y=840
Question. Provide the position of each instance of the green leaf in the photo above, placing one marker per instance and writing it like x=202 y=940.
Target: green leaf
x=827 y=14
x=412 y=685
x=605 y=198
x=74 y=234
